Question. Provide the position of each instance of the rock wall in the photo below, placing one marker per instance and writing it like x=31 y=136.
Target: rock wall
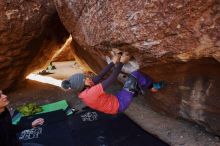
x=47 y=45
x=173 y=40
x=65 y=53
x=25 y=27
x=159 y=31
x=192 y=91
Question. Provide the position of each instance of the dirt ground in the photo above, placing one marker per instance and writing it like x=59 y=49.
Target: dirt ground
x=176 y=132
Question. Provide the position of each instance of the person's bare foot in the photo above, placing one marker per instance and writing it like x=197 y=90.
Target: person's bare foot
x=153 y=90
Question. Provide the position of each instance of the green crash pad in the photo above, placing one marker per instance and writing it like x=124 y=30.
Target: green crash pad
x=46 y=108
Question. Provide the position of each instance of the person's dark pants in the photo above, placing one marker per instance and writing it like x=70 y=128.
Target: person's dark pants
x=136 y=82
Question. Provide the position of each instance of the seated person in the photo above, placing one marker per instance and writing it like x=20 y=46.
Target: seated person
x=92 y=90
x=7 y=130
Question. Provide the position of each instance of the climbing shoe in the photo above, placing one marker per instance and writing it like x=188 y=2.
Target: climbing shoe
x=159 y=85
x=131 y=85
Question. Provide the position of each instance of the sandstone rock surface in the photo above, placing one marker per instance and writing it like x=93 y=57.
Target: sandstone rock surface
x=159 y=31
x=25 y=28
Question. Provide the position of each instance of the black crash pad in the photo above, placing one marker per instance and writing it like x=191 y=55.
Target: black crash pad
x=94 y=128
x=54 y=132
x=90 y=128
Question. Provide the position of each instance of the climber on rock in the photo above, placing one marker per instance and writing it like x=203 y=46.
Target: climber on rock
x=92 y=91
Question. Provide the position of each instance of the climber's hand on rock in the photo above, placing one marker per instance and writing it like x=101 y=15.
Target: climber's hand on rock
x=125 y=57
x=116 y=55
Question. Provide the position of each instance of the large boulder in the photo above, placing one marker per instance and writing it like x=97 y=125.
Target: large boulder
x=177 y=41
x=26 y=27
x=176 y=30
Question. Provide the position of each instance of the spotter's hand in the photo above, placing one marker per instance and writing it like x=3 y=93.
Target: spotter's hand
x=37 y=122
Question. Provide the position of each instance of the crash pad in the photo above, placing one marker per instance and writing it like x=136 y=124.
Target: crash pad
x=89 y=127
x=62 y=104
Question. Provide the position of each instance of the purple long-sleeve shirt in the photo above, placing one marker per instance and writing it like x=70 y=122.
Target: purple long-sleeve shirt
x=108 y=81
